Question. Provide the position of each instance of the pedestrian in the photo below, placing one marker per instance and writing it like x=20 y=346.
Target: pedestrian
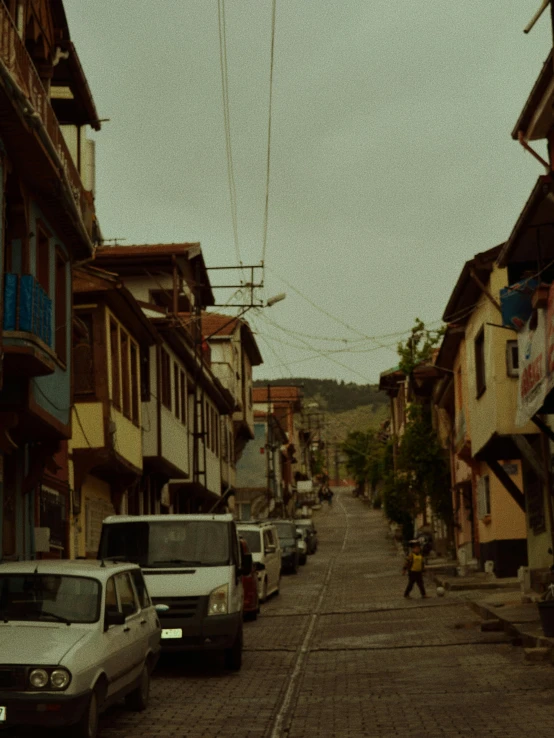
x=414 y=567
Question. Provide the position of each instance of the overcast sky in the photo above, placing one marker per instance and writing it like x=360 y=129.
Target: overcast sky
x=391 y=158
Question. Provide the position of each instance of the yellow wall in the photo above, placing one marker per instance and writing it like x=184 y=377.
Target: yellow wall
x=507 y=519
x=87 y=425
x=495 y=410
x=127 y=439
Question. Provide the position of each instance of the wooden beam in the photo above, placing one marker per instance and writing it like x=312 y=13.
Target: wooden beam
x=531 y=456
x=541 y=425
x=507 y=482
x=484 y=290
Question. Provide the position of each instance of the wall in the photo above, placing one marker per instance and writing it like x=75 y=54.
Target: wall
x=495 y=410
x=88 y=425
x=97 y=505
x=252 y=466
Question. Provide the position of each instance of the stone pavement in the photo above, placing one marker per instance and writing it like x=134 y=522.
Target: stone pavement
x=340 y=654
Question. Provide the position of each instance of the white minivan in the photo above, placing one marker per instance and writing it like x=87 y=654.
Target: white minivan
x=263 y=542
x=193 y=566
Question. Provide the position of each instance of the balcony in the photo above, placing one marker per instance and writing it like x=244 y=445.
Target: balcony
x=17 y=63
x=27 y=327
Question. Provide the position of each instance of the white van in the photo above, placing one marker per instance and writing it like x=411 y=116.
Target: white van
x=263 y=542
x=193 y=566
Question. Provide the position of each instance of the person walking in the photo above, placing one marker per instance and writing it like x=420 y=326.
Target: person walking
x=414 y=567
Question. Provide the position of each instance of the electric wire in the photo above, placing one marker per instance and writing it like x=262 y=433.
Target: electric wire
x=268 y=164
x=224 y=65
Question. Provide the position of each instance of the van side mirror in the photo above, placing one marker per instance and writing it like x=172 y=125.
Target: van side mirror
x=270 y=549
x=113 y=617
x=259 y=566
x=246 y=565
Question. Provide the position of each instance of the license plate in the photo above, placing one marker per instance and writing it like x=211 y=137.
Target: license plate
x=171 y=633
x=3 y=714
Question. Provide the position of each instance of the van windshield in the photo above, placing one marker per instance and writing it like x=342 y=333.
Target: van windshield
x=252 y=538
x=165 y=544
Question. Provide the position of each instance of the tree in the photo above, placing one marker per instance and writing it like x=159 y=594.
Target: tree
x=364 y=456
x=418 y=347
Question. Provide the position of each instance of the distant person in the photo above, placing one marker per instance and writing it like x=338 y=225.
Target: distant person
x=414 y=567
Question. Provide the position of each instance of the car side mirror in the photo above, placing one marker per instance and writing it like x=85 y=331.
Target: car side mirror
x=299 y=536
x=246 y=567
x=113 y=617
x=259 y=566
x=270 y=549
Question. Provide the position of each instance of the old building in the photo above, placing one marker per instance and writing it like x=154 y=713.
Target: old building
x=112 y=337
x=46 y=188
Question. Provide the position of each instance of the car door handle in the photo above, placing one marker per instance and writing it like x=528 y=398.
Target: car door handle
x=143 y=622
x=127 y=629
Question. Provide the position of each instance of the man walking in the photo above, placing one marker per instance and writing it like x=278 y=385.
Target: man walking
x=414 y=566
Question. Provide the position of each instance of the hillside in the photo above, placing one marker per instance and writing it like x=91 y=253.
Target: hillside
x=333 y=396
x=347 y=406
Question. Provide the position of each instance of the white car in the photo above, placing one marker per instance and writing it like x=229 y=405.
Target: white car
x=263 y=542
x=75 y=636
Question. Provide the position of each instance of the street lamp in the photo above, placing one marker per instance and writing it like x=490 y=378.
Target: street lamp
x=275 y=298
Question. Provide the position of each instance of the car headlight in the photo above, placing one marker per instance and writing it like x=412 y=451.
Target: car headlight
x=57 y=679
x=38 y=678
x=218 y=603
x=60 y=678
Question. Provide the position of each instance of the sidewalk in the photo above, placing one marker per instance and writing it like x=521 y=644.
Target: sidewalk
x=503 y=607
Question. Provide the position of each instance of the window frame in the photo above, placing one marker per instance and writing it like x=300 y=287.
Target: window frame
x=115 y=367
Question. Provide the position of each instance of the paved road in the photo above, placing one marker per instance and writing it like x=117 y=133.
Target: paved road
x=340 y=653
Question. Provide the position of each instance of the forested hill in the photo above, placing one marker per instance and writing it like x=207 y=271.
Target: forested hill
x=333 y=396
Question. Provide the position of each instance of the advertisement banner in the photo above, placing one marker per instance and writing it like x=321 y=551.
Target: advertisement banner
x=550 y=338
x=533 y=374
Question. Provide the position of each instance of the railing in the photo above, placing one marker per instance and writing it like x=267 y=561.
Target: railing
x=17 y=60
x=27 y=307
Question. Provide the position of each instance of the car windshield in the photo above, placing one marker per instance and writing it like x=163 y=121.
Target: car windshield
x=49 y=597
x=252 y=538
x=286 y=533
x=156 y=544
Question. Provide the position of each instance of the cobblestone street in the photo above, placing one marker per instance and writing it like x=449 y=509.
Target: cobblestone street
x=340 y=653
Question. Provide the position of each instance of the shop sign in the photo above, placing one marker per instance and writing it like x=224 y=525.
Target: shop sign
x=533 y=375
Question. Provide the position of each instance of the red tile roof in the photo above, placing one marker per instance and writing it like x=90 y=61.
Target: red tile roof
x=277 y=394
x=147 y=249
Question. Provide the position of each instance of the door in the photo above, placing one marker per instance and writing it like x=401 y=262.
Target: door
x=117 y=644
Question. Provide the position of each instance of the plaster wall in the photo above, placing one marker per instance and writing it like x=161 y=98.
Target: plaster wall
x=88 y=430
x=494 y=410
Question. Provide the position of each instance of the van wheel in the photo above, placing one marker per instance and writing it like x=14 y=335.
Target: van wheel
x=87 y=727
x=137 y=700
x=233 y=655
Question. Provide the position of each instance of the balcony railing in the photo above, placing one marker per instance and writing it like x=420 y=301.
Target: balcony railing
x=17 y=60
x=27 y=307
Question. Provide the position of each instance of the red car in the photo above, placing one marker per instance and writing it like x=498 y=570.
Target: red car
x=251 y=603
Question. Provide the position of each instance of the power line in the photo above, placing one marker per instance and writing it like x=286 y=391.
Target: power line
x=223 y=62
x=271 y=67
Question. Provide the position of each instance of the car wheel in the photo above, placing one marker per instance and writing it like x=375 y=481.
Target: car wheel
x=87 y=727
x=137 y=700
x=303 y=560
x=278 y=586
x=252 y=615
x=233 y=655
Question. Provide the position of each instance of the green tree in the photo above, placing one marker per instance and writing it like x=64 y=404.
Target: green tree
x=418 y=346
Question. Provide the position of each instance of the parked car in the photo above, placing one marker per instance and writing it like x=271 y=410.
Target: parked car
x=75 y=637
x=302 y=546
x=286 y=530
x=193 y=566
x=263 y=542
x=251 y=600
x=309 y=526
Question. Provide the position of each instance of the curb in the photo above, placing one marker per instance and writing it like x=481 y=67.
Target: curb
x=517 y=632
